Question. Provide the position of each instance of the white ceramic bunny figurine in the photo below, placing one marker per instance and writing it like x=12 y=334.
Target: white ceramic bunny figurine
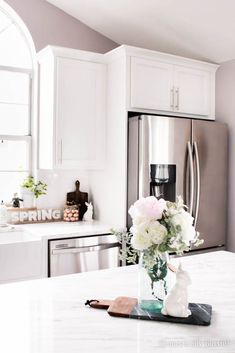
x=89 y=213
x=176 y=301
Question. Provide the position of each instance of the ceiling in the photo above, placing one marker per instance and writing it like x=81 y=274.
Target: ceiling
x=200 y=29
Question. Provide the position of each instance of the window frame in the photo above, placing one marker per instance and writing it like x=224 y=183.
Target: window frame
x=32 y=134
x=27 y=138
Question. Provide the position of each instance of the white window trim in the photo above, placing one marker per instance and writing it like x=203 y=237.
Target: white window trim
x=28 y=140
x=30 y=100
x=33 y=110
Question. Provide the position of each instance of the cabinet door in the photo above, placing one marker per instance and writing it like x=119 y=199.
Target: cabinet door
x=151 y=84
x=80 y=113
x=192 y=91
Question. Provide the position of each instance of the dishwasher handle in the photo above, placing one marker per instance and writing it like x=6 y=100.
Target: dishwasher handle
x=83 y=249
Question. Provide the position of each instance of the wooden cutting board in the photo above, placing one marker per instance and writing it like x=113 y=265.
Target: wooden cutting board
x=78 y=198
x=129 y=308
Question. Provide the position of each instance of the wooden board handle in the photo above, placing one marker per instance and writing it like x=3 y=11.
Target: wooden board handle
x=99 y=303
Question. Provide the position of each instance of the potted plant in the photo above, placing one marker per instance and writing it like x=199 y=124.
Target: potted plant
x=31 y=190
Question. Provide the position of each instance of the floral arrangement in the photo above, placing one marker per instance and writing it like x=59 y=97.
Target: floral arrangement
x=159 y=226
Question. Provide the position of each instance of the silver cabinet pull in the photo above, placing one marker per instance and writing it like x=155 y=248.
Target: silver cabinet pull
x=198 y=183
x=191 y=178
x=83 y=249
x=60 y=151
x=177 y=98
x=172 y=98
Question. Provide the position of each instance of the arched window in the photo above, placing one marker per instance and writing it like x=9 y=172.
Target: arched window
x=17 y=63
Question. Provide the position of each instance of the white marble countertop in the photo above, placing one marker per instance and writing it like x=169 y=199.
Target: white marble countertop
x=53 y=230
x=49 y=316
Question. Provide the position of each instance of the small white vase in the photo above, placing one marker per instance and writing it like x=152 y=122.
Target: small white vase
x=28 y=198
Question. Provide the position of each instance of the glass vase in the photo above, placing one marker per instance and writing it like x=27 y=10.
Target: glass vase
x=153 y=280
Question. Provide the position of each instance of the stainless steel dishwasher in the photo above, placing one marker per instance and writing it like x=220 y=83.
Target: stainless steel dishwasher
x=82 y=254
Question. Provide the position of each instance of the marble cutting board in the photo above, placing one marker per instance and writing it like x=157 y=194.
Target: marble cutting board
x=129 y=308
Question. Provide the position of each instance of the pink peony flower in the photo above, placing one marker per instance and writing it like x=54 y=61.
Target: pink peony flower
x=149 y=207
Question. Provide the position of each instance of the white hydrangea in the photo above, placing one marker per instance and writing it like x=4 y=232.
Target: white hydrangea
x=185 y=221
x=141 y=239
x=157 y=232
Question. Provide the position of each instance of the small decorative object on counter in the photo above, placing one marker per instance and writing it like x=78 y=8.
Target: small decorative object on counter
x=71 y=213
x=159 y=227
x=31 y=189
x=78 y=198
x=16 y=200
x=88 y=216
x=176 y=302
x=33 y=215
x=3 y=215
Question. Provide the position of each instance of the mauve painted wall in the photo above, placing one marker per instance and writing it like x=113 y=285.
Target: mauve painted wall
x=225 y=112
x=49 y=25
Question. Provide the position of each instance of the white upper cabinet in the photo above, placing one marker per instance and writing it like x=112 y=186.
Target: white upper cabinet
x=151 y=84
x=72 y=110
x=192 y=91
x=184 y=89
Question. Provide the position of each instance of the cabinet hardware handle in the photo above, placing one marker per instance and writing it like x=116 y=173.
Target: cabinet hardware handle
x=83 y=249
x=60 y=151
x=177 y=98
x=172 y=98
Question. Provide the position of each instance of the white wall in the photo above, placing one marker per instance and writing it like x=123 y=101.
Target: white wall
x=59 y=183
x=225 y=112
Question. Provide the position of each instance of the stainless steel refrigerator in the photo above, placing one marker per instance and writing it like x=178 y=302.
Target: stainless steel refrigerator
x=177 y=156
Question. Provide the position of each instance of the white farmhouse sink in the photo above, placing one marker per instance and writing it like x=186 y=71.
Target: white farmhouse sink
x=15 y=236
x=20 y=255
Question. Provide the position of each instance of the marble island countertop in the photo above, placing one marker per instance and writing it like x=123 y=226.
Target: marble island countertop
x=49 y=316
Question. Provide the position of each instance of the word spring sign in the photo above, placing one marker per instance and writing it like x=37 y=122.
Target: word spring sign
x=41 y=215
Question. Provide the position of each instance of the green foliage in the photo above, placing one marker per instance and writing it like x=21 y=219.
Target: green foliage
x=126 y=252
x=38 y=188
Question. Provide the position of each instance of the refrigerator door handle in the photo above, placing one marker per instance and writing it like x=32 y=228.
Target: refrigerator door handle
x=191 y=178
x=198 y=183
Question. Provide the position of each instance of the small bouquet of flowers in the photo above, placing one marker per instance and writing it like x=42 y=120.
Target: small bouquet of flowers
x=159 y=227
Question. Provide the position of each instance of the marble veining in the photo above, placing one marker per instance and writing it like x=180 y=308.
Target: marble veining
x=200 y=315
x=54 y=230
x=49 y=315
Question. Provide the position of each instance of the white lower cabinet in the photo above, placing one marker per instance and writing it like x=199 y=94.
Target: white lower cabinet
x=20 y=261
x=72 y=109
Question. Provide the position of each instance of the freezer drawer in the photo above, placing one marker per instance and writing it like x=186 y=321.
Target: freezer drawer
x=73 y=255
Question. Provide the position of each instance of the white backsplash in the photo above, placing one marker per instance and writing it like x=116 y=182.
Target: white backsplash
x=58 y=184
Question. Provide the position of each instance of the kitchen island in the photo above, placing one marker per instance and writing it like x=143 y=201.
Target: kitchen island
x=49 y=316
